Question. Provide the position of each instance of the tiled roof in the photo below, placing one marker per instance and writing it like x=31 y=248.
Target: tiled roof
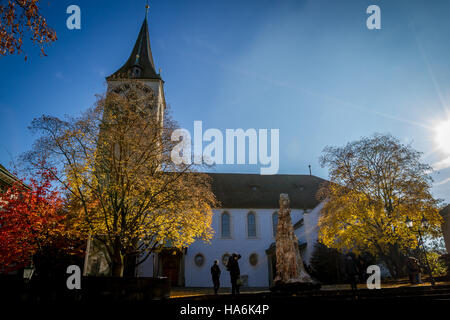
x=256 y=191
x=446 y=211
x=6 y=177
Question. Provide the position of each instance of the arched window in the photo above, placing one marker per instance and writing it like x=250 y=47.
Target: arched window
x=226 y=232
x=251 y=225
x=274 y=223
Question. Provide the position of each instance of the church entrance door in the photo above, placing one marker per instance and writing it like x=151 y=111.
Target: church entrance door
x=171 y=265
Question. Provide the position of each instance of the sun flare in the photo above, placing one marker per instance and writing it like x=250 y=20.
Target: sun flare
x=442 y=136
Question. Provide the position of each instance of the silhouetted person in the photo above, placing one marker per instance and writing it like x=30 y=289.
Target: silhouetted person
x=307 y=268
x=235 y=272
x=351 y=271
x=215 y=273
x=413 y=270
x=362 y=271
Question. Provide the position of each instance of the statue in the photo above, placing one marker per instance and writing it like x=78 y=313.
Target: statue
x=290 y=271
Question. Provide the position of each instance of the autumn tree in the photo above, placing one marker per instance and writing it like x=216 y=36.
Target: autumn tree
x=116 y=165
x=32 y=219
x=19 y=18
x=376 y=184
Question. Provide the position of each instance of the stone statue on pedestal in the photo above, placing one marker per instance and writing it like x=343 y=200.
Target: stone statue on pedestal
x=290 y=271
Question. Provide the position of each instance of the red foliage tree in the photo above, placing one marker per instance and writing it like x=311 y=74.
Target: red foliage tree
x=19 y=18
x=31 y=218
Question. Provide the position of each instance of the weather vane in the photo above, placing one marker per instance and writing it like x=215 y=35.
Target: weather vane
x=146 y=9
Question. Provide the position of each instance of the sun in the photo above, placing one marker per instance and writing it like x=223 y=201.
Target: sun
x=442 y=136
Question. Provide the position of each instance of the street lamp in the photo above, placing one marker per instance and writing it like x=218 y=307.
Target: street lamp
x=425 y=225
x=409 y=223
x=28 y=273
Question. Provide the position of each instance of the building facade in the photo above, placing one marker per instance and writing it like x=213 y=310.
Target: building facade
x=141 y=67
x=6 y=179
x=244 y=223
x=446 y=226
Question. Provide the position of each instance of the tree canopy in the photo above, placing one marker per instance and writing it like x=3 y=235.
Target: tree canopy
x=115 y=164
x=32 y=218
x=19 y=18
x=376 y=184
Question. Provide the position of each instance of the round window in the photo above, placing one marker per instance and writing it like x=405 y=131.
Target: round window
x=253 y=259
x=199 y=259
x=225 y=258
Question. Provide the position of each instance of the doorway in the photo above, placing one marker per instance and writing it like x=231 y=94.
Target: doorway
x=171 y=266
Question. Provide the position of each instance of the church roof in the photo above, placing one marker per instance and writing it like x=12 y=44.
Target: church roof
x=140 y=64
x=445 y=211
x=7 y=178
x=254 y=191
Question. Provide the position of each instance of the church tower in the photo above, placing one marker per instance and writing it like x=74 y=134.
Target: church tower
x=141 y=67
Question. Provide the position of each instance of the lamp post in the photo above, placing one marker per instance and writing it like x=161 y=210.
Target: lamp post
x=28 y=273
x=424 y=224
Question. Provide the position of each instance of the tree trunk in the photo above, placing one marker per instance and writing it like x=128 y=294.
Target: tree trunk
x=398 y=259
x=117 y=264
x=395 y=262
x=390 y=266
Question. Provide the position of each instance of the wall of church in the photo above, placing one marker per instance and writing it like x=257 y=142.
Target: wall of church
x=446 y=229
x=310 y=231
x=146 y=268
x=201 y=255
x=240 y=242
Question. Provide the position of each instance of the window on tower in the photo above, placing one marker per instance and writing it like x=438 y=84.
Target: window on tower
x=135 y=72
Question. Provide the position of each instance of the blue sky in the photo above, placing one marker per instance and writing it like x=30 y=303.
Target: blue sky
x=309 y=68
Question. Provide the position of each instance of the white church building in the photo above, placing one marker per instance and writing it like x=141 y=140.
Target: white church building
x=245 y=224
x=246 y=221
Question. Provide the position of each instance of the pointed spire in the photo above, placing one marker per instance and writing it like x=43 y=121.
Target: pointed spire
x=140 y=64
x=146 y=10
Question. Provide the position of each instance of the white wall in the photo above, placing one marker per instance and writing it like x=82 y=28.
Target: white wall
x=145 y=269
x=258 y=275
x=446 y=230
x=309 y=232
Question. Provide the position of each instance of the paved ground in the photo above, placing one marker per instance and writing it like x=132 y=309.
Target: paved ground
x=192 y=292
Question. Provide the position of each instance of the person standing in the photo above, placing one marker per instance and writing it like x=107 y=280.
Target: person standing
x=410 y=265
x=362 y=271
x=352 y=272
x=414 y=270
x=215 y=273
x=419 y=272
x=233 y=268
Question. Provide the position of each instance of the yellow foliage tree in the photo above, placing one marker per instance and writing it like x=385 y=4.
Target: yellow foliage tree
x=376 y=184
x=119 y=174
